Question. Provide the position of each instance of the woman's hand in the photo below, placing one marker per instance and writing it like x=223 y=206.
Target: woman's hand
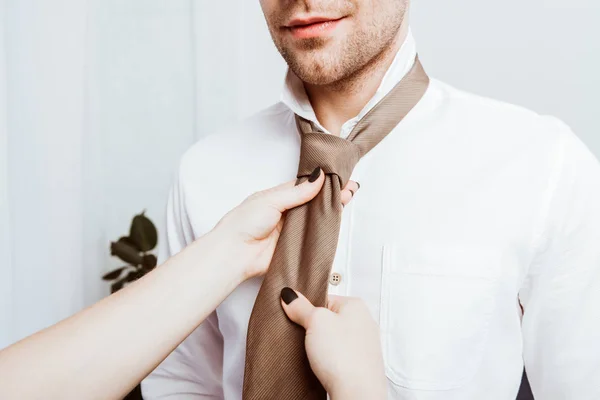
x=148 y=319
x=342 y=344
x=253 y=228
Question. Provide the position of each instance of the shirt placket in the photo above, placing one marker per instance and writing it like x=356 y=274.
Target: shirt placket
x=340 y=277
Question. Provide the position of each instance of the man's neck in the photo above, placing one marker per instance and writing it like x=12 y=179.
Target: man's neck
x=340 y=101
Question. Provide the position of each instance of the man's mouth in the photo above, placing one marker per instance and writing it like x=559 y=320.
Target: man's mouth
x=312 y=27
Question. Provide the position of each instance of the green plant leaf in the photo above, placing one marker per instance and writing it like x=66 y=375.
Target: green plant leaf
x=126 y=252
x=118 y=285
x=143 y=233
x=112 y=275
x=149 y=261
x=146 y=269
x=131 y=242
x=132 y=276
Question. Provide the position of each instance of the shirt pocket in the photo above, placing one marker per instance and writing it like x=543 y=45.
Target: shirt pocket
x=435 y=312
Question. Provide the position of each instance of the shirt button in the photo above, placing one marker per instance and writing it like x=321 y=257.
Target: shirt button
x=335 y=279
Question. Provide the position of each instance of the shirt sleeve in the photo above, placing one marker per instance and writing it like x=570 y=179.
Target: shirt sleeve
x=561 y=293
x=194 y=369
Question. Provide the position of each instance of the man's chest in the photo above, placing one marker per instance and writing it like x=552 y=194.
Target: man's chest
x=415 y=213
x=436 y=250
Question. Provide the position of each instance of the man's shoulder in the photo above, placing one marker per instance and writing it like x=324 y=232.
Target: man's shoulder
x=239 y=138
x=498 y=119
x=483 y=108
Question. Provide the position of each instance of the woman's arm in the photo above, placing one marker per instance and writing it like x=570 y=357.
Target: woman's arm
x=105 y=350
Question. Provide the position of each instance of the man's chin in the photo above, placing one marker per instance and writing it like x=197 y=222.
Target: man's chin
x=315 y=68
x=315 y=74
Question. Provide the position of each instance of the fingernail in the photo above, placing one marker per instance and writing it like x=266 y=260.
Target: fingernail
x=288 y=295
x=358 y=184
x=351 y=191
x=315 y=175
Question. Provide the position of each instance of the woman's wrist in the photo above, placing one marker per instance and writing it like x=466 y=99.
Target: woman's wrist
x=225 y=252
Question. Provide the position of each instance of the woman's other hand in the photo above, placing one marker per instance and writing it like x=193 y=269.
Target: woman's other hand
x=342 y=344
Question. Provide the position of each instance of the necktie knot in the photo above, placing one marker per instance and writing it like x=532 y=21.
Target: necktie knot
x=333 y=154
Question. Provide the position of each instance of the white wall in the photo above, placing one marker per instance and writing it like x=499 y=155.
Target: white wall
x=5 y=247
x=140 y=117
x=542 y=54
x=44 y=104
x=239 y=70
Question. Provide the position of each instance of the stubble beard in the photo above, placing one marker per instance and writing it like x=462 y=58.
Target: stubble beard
x=342 y=67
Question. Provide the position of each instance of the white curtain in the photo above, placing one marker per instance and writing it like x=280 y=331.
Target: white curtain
x=98 y=100
x=239 y=71
x=43 y=118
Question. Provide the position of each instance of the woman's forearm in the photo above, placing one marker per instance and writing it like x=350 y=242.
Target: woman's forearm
x=104 y=350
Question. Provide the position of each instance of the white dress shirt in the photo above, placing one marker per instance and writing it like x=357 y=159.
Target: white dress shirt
x=467 y=209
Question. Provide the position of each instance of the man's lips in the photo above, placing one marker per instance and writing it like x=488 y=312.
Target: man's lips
x=312 y=27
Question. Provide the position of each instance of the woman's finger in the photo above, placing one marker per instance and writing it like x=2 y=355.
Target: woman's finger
x=297 y=307
x=336 y=303
x=349 y=191
x=288 y=195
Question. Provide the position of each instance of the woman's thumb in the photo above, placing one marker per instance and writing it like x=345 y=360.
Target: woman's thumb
x=297 y=307
x=289 y=195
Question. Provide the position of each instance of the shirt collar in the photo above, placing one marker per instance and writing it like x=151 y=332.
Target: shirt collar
x=295 y=98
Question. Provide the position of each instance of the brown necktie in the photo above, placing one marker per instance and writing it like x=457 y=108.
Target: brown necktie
x=276 y=363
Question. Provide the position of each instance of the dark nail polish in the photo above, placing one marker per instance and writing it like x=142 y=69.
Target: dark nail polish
x=288 y=295
x=315 y=175
x=358 y=184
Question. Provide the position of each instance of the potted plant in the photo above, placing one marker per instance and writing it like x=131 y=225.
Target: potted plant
x=135 y=250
